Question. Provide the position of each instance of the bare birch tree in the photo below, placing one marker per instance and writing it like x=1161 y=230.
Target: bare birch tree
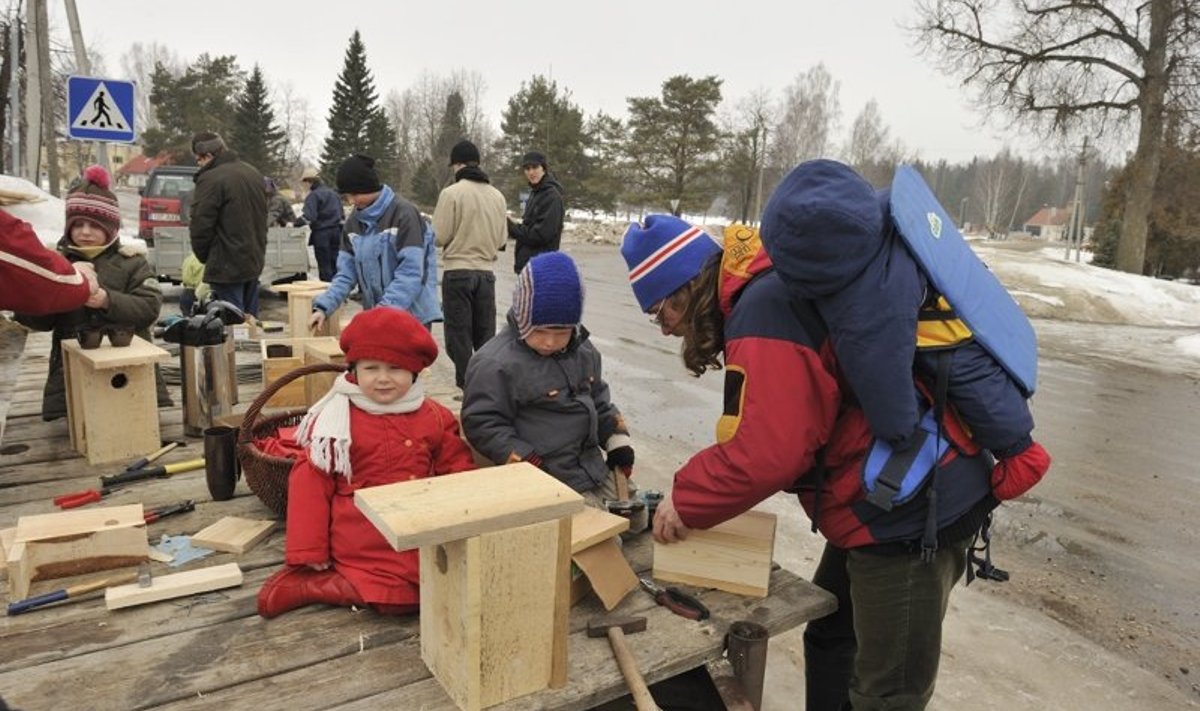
x=1079 y=64
x=809 y=113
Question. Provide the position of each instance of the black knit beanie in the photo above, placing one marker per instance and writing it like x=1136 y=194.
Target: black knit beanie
x=356 y=175
x=464 y=152
x=534 y=158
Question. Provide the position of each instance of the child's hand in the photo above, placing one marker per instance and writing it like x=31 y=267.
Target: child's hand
x=620 y=458
x=316 y=321
x=319 y=566
x=98 y=299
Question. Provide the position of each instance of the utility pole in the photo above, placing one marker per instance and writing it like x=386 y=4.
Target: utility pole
x=14 y=95
x=49 y=137
x=33 y=98
x=84 y=66
x=1075 y=225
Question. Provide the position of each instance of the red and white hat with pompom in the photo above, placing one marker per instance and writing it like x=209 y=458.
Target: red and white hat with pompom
x=92 y=200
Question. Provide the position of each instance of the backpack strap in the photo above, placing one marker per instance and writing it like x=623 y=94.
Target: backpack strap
x=929 y=541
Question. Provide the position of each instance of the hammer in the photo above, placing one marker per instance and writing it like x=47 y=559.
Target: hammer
x=615 y=628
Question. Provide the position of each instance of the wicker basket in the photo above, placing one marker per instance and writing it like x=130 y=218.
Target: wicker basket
x=266 y=474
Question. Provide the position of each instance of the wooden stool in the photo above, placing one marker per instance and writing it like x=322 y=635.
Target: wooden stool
x=300 y=300
x=112 y=404
x=495 y=575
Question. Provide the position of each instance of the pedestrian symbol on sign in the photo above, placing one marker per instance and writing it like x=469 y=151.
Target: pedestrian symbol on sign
x=101 y=119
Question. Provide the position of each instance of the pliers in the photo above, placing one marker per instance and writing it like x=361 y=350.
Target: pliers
x=79 y=498
x=676 y=600
x=163 y=511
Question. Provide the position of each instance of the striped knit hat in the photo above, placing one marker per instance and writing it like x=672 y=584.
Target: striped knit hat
x=92 y=200
x=664 y=255
x=549 y=293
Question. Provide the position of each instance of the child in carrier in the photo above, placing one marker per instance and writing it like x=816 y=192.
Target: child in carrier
x=374 y=427
x=831 y=238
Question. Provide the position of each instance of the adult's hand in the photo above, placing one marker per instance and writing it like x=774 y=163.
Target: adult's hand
x=668 y=527
x=316 y=321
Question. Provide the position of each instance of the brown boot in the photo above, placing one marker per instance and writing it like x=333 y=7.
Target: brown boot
x=297 y=586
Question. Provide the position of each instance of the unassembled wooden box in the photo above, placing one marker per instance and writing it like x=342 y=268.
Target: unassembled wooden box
x=112 y=405
x=495 y=566
x=67 y=543
x=283 y=355
x=300 y=295
x=323 y=350
x=734 y=556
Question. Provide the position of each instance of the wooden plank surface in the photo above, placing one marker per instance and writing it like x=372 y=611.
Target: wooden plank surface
x=212 y=650
x=169 y=587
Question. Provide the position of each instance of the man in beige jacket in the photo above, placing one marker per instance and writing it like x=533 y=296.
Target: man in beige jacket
x=470 y=226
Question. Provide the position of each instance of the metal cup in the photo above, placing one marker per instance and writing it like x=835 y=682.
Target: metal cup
x=220 y=462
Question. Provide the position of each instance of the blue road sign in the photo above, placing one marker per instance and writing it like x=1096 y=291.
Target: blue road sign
x=100 y=109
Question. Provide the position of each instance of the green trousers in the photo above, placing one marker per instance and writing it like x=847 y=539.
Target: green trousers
x=880 y=650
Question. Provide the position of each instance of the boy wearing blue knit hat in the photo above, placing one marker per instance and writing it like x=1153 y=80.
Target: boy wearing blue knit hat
x=535 y=392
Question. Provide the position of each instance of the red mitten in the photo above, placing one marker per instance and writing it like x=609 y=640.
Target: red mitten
x=1013 y=476
x=535 y=459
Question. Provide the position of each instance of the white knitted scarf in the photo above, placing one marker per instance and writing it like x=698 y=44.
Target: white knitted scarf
x=325 y=430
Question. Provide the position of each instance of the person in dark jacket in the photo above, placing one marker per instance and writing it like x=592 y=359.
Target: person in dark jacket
x=279 y=210
x=791 y=423
x=323 y=213
x=540 y=228
x=228 y=222
x=128 y=296
x=536 y=392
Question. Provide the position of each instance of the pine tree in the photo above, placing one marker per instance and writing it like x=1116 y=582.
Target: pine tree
x=357 y=123
x=542 y=118
x=255 y=136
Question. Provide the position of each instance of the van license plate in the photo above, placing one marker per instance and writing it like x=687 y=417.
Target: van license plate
x=164 y=217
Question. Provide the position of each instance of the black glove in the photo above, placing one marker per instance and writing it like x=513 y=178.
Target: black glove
x=299 y=222
x=620 y=457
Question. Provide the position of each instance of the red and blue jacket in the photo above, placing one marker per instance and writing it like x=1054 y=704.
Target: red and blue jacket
x=790 y=423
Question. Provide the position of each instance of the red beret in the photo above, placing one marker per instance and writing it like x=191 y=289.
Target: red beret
x=390 y=335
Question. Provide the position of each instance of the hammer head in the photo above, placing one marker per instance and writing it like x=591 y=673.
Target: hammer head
x=628 y=625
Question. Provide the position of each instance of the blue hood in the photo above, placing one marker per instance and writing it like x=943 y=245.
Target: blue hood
x=822 y=226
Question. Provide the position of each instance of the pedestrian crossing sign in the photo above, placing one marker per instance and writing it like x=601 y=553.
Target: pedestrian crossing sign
x=100 y=109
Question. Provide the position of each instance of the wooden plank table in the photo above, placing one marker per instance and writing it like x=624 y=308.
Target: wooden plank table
x=214 y=651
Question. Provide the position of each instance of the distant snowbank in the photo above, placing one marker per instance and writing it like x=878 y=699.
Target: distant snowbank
x=48 y=215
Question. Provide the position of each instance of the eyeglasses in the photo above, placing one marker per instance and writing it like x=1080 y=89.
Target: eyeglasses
x=657 y=315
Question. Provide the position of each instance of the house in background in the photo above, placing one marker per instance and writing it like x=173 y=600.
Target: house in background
x=1049 y=223
x=133 y=172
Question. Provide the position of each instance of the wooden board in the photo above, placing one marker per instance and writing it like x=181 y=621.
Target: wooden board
x=233 y=535
x=734 y=556
x=78 y=521
x=421 y=512
x=7 y=541
x=168 y=587
x=321 y=350
x=112 y=407
x=489 y=613
x=607 y=570
x=591 y=526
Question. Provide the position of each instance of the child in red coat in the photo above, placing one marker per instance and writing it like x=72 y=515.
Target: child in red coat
x=374 y=427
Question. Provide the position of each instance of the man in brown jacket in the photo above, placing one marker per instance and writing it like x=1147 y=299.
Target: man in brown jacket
x=228 y=222
x=470 y=226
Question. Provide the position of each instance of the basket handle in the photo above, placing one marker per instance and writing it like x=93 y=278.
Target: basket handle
x=244 y=435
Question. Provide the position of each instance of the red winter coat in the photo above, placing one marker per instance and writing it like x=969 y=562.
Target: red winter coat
x=324 y=525
x=36 y=280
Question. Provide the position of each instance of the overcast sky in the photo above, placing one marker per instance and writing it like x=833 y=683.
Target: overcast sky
x=602 y=52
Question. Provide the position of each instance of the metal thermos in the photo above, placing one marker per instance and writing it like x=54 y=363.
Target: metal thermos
x=209 y=386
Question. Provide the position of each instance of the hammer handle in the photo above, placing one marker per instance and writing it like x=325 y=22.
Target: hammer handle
x=621 y=483
x=633 y=678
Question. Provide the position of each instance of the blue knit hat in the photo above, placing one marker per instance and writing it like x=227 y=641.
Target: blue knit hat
x=549 y=293
x=663 y=256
